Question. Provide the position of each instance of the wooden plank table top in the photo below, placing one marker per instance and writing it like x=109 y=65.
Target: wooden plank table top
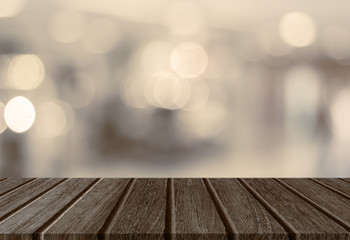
x=180 y=208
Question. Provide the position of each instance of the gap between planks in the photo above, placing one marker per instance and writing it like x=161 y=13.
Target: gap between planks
x=170 y=214
x=330 y=188
x=293 y=234
x=2 y=180
x=230 y=227
x=117 y=208
x=30 y=201
x=345 y=179
x=17 y=187
x=314 y=204
x=39 y=234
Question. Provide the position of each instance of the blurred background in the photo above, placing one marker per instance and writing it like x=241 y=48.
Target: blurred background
x=167 y=88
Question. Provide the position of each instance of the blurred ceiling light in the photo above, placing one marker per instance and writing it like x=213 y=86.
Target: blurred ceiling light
x=3 y=124
x=336 y=42
x=189 y=60
x=206 y=123
x=25 y=72
x=169 y=91
x=67 y=26
x=11 y=8
x=184 y=18
x=199 y=95
x=101 y=36
x=19 y=114
x=51 y=119
x=340 y=115
x=271 y=42
x=132 y=91
x=155 y=56
x=78 y=90
x=297 y=29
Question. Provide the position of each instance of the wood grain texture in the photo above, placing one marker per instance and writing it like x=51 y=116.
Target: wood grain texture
x=16 y=200
x=143 y=214
x=31 y=218
x=88 y=215
x=195 y=211
x=336 y=184
x=304 y=218
x=332 y=204
x=250 y=218
x=171 y=209
x=13 y=183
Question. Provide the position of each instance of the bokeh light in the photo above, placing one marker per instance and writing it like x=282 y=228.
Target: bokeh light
x=297 y=29
x=155 y=56
x=11 y=8
x=340 y=115
x=101 y=36
x=174 y=88
x=3 y=124
x=19 y=114
x=166 y=90
x=52 y=119
x=67 y=26
x=25 y=72
x=206 y=123
x=132 y=91
x=199 y=95
x=189 y=60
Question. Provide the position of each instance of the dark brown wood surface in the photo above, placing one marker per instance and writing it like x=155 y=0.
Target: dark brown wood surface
x=120 y=208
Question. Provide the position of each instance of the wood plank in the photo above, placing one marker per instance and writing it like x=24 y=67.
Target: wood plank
x=142 y=215
x=251 y=219
x=196 y=214
x=308 y=222
x=21 y=197
x=84 y=220
x=45 y=210
x=335 y=183
x=12 y=184
x=334 y=205
x=3 y=179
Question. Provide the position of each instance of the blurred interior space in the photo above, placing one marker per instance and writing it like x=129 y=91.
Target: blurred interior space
x=182 y=88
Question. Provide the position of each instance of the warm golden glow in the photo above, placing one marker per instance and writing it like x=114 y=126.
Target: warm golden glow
x=189 y=60
x=25 y=72
x=155 y=56
x=297 y=29
x=11 y=8
x=166 y=90
x=19 y=114
x=340 y=115
x=3 y=124
x=205 y=123
x=199 y=95
x=50 y=119
x=132 y=91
